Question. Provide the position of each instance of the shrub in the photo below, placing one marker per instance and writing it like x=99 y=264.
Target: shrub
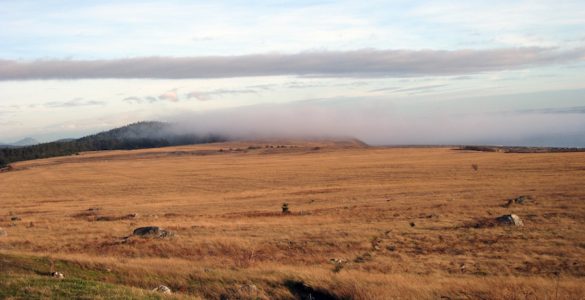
x=285 y=208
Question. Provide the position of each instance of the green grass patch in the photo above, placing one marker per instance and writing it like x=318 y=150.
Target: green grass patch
x=37 y=287
x=28 y=277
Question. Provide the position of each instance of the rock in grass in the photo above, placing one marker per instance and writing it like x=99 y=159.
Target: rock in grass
x=163 y=289
x=148 y=230
x=510 y=220
x=524 y=199
x=521 y=199
x=337 y=261
x=151 y=231
x=57 y=275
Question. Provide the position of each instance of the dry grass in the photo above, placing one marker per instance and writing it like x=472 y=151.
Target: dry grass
x=350 y=203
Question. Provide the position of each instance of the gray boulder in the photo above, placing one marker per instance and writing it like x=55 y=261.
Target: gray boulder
x=151 y=231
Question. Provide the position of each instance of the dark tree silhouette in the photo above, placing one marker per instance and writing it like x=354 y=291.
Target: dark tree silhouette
x=134 y=136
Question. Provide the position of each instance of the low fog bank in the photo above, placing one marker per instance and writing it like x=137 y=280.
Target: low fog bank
x=383 y=123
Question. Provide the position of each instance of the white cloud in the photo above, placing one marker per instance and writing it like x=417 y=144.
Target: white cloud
x=170 y=96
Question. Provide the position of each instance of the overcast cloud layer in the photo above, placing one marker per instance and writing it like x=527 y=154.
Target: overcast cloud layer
x=359 y=63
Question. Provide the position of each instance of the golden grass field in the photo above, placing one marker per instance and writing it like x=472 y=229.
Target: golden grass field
x=348 y=202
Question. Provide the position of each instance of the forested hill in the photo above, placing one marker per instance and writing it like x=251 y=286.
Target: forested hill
x=134 y=136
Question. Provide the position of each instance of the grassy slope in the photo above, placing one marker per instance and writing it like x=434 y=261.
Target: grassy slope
x=356 y=205
x=27 y=277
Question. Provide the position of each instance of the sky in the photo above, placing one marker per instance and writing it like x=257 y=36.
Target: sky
x=387 y=72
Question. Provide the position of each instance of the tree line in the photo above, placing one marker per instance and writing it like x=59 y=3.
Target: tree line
x=134 y=136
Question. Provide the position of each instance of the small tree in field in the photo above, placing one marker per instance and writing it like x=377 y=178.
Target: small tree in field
x=285 y=208
x=3 y=160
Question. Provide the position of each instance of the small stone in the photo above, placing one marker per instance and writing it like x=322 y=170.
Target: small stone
x=337 y=261
x=57 y=275
x=462 y=267
x=163 y=289
x=521 y=199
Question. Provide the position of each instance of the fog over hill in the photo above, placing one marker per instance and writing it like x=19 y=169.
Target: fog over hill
x=28 y=141
x=380 y=121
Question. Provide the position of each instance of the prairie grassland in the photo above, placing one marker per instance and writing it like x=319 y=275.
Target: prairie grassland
x=365 y=222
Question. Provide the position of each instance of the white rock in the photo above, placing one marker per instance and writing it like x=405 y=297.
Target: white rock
x=163 y=289
x=517 y=220
x=510 y=220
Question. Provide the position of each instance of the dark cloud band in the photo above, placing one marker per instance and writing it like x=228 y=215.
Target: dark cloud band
x=358 y=63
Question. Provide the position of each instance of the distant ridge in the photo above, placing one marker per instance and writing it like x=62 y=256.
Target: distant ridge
x=21 y=143
x=134 y=136
x=25 y=142
x=520 y=149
